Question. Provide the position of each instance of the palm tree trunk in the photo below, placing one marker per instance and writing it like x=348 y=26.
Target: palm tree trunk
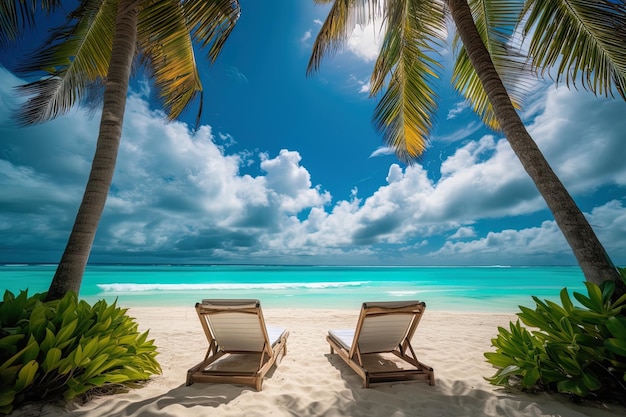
x=589 y=252
x=69 y=273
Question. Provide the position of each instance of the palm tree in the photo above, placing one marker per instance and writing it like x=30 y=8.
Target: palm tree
x=97 y=45
x=593 y=54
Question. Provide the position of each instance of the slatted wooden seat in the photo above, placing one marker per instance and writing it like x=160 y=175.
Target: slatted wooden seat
x=379 y=348
x=242 y=349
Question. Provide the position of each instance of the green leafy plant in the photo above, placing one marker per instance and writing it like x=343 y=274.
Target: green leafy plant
x=67 y=347
x=579 y=350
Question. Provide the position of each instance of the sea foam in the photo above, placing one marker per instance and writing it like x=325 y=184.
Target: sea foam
x=135 y=287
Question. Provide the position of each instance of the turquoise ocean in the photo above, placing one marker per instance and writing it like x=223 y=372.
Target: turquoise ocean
x=475 y=289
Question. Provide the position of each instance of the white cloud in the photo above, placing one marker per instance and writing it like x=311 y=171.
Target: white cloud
x=582 y=137
x=609 y=223
x=227 y=139
x=362 y=85
x=382 y=150
x=458 y=108
x=463 y=233
x=291 y=182
x=365 y=42
x=178 y=195
x=306 y=36
x=539 y=241
x=484 y=179
x=464 y=133
x=543 y=242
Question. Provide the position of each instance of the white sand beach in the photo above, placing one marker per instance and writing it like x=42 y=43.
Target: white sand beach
x=311 y=382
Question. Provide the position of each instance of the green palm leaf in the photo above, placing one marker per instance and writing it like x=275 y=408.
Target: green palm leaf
x=406 y=109
x=212 y=22
x=75 y=57
x=96 y=47
x=166 y=33
x=166 y=45
x=15 y=15
x=405 y=114
x=584 y=40
x=407 y=61
x=343 y=16
x=496 y=21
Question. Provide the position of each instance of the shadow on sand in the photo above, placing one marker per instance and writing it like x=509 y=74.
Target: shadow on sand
x=349 y=398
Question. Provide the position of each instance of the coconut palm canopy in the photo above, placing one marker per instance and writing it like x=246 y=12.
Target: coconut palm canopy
x=165 y=47
x=289 y=168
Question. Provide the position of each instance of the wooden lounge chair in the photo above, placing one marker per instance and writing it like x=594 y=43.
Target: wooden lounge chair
x=241 y=348
x=379 y=348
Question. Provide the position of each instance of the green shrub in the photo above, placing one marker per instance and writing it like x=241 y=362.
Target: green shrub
x=566 y=348
x=66 y=348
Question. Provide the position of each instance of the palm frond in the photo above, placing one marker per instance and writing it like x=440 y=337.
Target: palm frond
x=15 y=15
x=408 y=57
x=407 y=60
x=496 y=21
x=164 y=40
x=75 y=56
x=212 y=22
x=342 y=18
x=583 y=39
x=166 y=33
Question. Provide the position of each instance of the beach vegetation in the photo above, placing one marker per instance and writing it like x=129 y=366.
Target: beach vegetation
x=578 y=349
x=68 y=348
x=499 y=43
x=92 y=55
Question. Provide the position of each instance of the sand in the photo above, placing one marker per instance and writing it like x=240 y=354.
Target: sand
x=309 y=381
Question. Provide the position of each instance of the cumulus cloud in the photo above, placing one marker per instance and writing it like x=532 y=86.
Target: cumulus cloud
x=582 y=137
x=173 y=190
x=463 y=233
x=365 y=42
x=543 y=242
x=178 y=195
x=291 y=183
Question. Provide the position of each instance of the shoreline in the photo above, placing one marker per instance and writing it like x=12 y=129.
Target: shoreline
x=347 y=308
x=309 y=381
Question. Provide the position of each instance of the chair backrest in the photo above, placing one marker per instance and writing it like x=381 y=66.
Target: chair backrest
x=382 y=326
x=236 y=325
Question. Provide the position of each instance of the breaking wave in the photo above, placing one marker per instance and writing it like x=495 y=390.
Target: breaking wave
x=135 y=287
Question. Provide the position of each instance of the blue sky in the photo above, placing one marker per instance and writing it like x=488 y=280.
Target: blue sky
x=287 y=169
